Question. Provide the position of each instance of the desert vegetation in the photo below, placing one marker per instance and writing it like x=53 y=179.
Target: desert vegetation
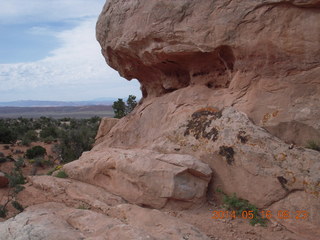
x=15 y=182
x=39 y=146
x=314 y=145
x=243 y=208
x=122 y=108
x=69 y=137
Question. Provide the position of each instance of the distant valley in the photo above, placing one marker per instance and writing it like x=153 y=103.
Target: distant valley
x=56 y=109
x=35 y=103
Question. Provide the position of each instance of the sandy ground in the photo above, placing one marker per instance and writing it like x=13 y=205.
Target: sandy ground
x=17 y=151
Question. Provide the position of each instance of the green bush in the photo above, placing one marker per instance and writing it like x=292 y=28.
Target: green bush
x=62 y=174
x=233 y=203
x=29 y=137
x=313 y=145
x=50 y=131
x=16 y=179
x=3 y=211
x=49 y=139
x=17 y=206
x=36 y=151
x=7 y=136
x=51 y=171
x=83 y=207
x=74 y=142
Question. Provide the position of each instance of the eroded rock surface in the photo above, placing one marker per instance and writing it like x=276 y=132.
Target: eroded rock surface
x=260 y=56
x=144 y=177
x=195 y=59
x=106 y=125
x=57 y=221
x=245 y=158
x=215 y=76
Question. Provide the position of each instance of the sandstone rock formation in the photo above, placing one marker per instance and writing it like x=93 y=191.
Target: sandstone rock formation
x=144 y=177
x=262 y=56
x=195 y=59
x=57 y=221
x=70 y=209
x=105 y=126
x=227 y=87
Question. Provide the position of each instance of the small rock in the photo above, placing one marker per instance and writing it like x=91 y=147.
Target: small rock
x=277 y=227
x=4 y=181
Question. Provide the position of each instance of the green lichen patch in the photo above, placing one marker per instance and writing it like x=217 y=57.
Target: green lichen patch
x=228 y=153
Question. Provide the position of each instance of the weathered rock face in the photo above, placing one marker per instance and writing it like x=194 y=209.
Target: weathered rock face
x=57 y=221
x=213 y=73
x=105 y=126
x=144 y=177
x=261 y=56
x=245 y=159
x=195 y=59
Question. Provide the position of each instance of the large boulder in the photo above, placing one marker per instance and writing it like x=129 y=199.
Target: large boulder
x=144 y=177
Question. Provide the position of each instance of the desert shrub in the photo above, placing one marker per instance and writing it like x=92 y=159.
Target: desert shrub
x=50 y=131
x=233 y=203
x=3 y=211
x=26 y=142
x=16 y=180
x=51 y=171
x=7 y=136
x=313 y=145
x=29 y=137
x=74 y=142
x=62 y=174
x=49 y=139
x=17 y=206
x=40 y=162
x=36 y=151
x=83 y=207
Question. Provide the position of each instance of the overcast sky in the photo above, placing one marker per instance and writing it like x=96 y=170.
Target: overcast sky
x=48 y=51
